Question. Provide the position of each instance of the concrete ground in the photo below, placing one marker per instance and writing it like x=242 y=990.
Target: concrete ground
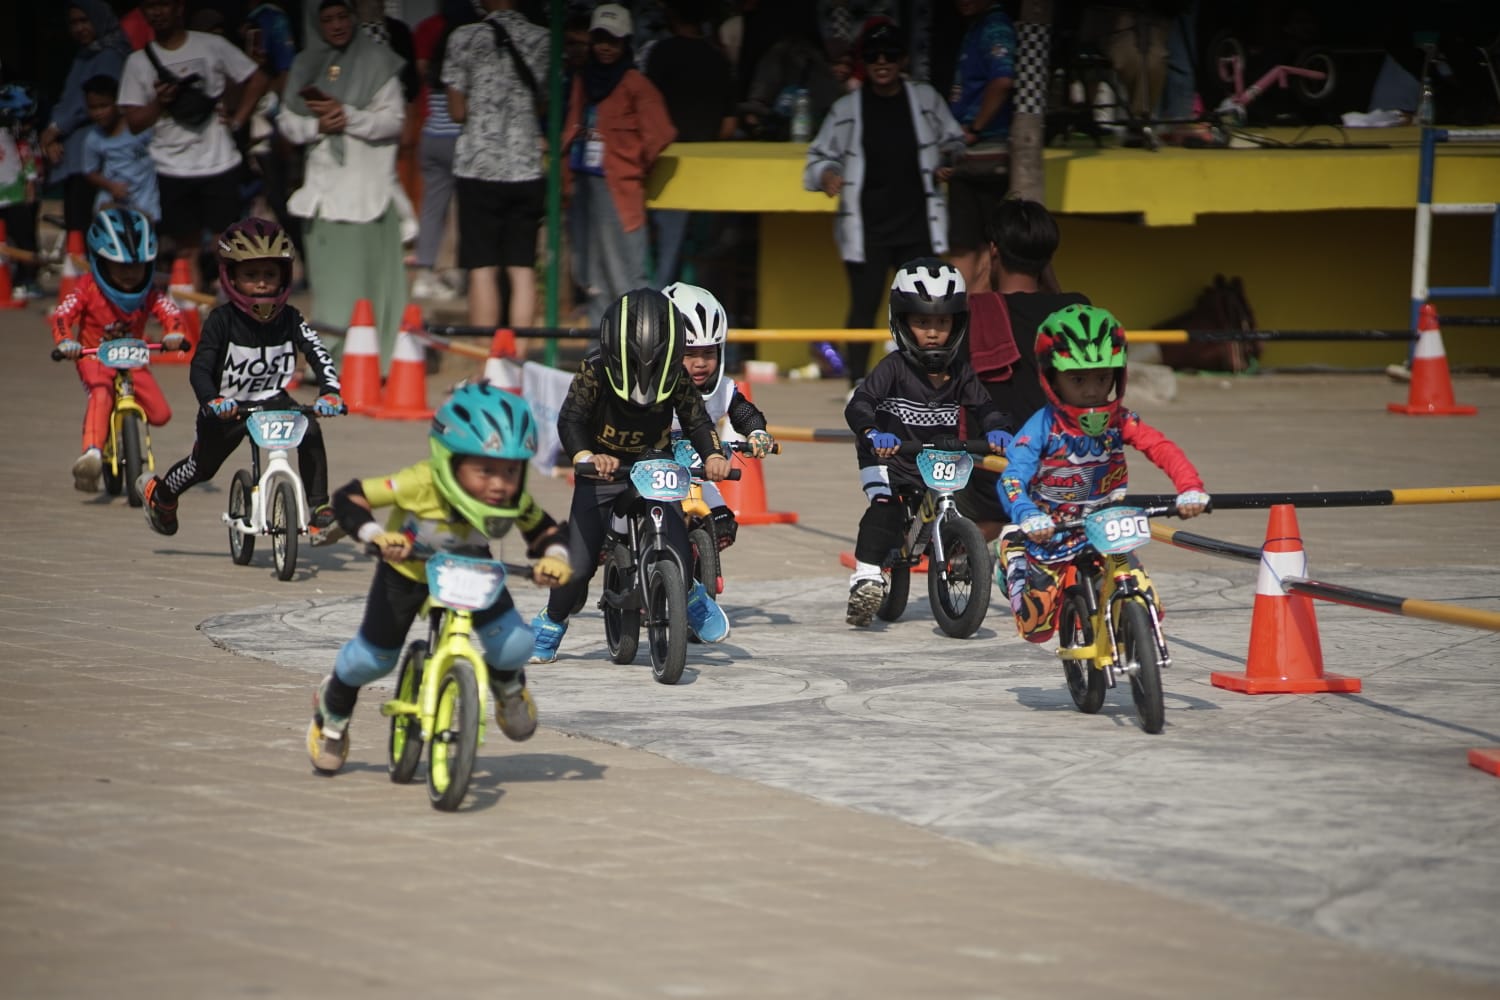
x=816 y=811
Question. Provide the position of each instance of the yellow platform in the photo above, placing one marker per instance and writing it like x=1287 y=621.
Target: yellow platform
x=1321 y=236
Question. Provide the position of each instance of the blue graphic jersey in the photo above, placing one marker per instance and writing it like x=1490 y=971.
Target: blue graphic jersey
x=988 y=52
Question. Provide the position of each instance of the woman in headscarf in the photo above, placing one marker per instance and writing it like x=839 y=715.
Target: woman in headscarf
x=344 y=102
x=102 y=49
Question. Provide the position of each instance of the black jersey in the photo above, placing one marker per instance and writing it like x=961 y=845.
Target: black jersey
x=594 y=419
x=238 y=358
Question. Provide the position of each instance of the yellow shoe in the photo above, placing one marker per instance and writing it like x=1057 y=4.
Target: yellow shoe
x=327 y=740
x=515 y=711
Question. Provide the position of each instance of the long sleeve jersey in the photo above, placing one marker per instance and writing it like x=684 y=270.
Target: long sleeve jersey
x=243 y=360
x=86 y=316
x=727 y=401
x=897 y=398
x=1062 y=473
x=593 y=419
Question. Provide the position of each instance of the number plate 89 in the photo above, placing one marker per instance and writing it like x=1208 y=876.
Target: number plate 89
x=947 y=471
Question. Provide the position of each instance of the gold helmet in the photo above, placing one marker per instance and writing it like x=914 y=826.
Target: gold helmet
x=256 y=239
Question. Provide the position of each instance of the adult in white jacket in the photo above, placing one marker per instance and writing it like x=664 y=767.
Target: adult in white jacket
x=881 y=151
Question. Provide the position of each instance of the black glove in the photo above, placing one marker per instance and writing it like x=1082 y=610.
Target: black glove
x=725 y=526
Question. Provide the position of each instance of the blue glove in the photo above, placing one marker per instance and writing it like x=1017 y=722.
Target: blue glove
x=999 y=440
x=328 y=405
x=221 y=407
x=69 y=348
x=882 y=439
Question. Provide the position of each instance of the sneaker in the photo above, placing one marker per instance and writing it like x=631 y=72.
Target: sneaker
x=707 y=620
x=327 y=736
x=160 y=515
x=515 y=711
x=549 y=636
x=1398 y=373
x=86 y=471
x=865 y=598
x=429 y=286
x=324 y=527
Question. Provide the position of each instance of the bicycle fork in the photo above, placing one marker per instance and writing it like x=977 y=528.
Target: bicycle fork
x=1104 y=649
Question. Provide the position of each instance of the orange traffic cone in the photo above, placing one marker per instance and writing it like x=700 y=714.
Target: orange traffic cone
x=1286 y=656
x=7 y=291
x=192 y=328
x=74 y=264
x=1431 y=387
x=181 y=281
x=501 y=369
x=405 y=396
x=1486 y=759
x=360 y=373
x=747 y=495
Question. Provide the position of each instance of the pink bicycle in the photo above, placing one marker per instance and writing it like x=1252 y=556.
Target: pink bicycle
x=1312 y=80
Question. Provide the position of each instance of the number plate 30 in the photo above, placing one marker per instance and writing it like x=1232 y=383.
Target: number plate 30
x=661 y=479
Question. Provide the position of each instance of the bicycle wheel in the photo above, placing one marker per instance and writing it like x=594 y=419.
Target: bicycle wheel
x=897 y=590
x=706 y=568
x=455 y=738
x=666 y=620
x=284 y=529
x=960 y=593
x=131 y=457
x=1137 y=642
x=1074 y=629
x=622 y=628
x=406 y=730
x=114 y=480
x=241 y=545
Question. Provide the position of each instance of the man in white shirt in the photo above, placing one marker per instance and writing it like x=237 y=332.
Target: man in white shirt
x=197 y=162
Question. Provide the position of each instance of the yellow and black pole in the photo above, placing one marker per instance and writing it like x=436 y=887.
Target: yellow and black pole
x=1407 y=607
x=1345 y=498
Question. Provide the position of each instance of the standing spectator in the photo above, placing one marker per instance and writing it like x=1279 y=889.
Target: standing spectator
x=981 y=101
x=269 y=41
x=891 y=208
x=575 y=58
x=694 y=80
x=616 y=128
x=343 y=101
x=20 y=179
x=493 y=71
x=102 y=49
x=117 y=161
x=435 y=148
x=177 y=85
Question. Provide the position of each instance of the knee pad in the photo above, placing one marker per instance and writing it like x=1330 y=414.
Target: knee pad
x=359 y=663
x=507 y=641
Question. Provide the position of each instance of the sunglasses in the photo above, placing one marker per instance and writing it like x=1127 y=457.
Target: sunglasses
x=883 y=55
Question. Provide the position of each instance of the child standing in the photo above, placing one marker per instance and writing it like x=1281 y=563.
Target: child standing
x=114 y=300
x=248 y=353
x=706 y=327
x=20 y=177
x=469 y=492
x=1070 y=456
x=116 y=160
x=618 y=408
x=913 y=394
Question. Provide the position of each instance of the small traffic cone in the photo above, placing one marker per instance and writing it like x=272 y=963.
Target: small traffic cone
x=1487 y=759
x=501 y=369
x=1431 y=390
x=74 y=264
x=192 y=329
x=359 y=376
x=7 y=290
x=181 y=281
x=405 y=396
x=747 y=495
x=1286 y=656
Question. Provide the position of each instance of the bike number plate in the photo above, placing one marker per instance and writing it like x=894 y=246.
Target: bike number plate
x=124 y=352
x=464 y=583
x=686 y=454
x=661 y=479
x=1117 y=529
x=945 y=471
x=277 y=428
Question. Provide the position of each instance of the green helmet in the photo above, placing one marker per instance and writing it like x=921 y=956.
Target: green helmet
x=482 y=420
x=1082 y=338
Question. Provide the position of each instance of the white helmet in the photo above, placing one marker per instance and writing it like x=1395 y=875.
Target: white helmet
x=929 y=287
x=706 y=323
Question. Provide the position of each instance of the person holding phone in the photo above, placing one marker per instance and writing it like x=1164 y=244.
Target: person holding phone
x=344 y=103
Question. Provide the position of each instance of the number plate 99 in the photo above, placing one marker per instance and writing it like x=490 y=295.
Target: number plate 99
x=1117 y=529
x=124 y=352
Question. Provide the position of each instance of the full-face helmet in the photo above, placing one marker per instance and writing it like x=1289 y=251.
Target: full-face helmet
x=641 y=342
x=704 y=324
x=929 y=287
x=1082 y=338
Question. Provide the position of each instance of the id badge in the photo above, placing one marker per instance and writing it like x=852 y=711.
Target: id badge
x=593 y=152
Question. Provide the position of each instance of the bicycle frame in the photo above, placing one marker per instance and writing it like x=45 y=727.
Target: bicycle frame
x=450 y=637
x=125 y=403
x=1232 y=72
x=278 y=467
x=1105 y=582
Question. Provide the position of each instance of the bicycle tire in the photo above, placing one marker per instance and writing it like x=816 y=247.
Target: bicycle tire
x=666 y=620
x=114 y=482
x=1086 y=682
x=960 y=593
x=897 y=592
x=455 y=738
x=130 y=444
x=405 y=744
x=706 y=566
x=284 y=529
x=622 y=627
x=241 y=545
x=1137 y=642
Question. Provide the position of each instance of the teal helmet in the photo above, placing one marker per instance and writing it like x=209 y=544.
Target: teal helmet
x=1082 y=338
x=483 y=420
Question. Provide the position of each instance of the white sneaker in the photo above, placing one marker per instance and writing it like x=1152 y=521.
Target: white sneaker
x=429 y=286
x=86 y=471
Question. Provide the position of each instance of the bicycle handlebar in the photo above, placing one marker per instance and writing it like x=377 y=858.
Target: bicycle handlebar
x=422 y=553
x=744 y=447
x=89 y=352
x=623 y=472
x=242 y=410
x=978 y=446
x=1157 y=510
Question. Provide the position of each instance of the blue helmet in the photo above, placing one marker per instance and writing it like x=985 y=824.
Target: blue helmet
x=122 y=236
x=482 y=420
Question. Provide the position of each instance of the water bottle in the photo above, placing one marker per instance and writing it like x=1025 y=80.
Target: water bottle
x=1424 y=107
x=802 y=117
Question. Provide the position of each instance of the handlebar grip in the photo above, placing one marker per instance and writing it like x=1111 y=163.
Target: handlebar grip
x=57 y=355
x=734 y=474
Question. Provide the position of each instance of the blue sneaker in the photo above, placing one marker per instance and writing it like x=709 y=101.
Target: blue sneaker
x=705 y=617
x=548 y=637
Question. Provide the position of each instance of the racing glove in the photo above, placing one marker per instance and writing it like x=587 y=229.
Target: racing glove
x=174 y=342
x=69 y=349
x=1194 y=499
x=221 y=407
x=328 y=405
x=882 y=439
x=761 y=443
x=998 y=440
x=1037 y=524
x=726 y=528
x=551 y=571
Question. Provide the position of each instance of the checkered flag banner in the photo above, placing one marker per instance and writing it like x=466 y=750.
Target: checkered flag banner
x=1034 y=47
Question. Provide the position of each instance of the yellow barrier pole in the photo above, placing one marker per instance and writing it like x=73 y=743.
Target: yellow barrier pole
x=1407 y=607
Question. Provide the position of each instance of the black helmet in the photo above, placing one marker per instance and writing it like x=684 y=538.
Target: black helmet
x=929 y=287
x=641 y=341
